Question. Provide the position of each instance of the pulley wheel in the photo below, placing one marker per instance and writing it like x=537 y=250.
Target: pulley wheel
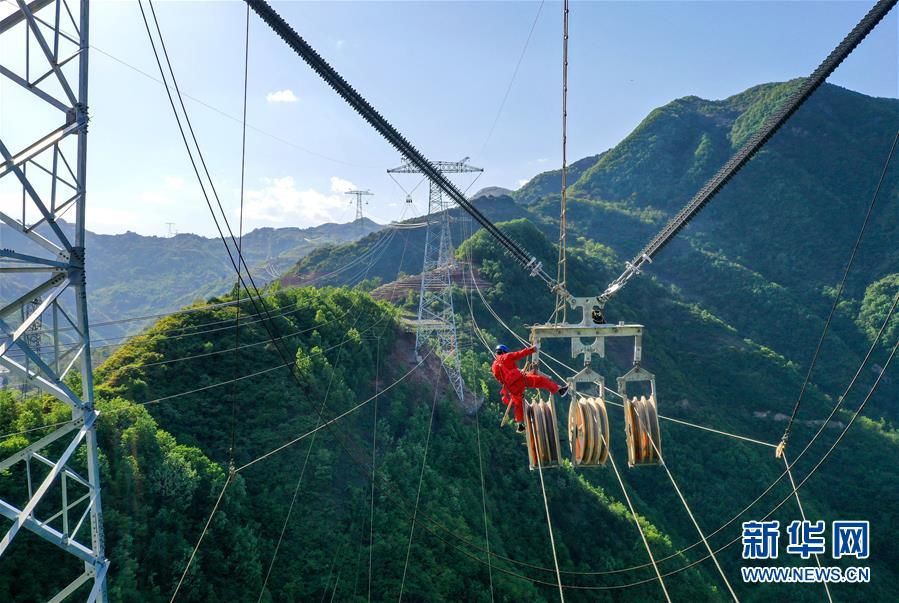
x=593 y=422
x=602 y=431
x=652 y=421
x=604 y=435
x=549 y=432
x=577 y=431
x=542 y=443
x=632 y=432
x=531 y=433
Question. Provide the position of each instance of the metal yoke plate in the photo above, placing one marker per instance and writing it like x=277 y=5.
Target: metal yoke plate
x=587 y=329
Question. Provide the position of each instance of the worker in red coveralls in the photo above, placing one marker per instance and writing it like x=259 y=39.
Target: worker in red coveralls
x=505 y=369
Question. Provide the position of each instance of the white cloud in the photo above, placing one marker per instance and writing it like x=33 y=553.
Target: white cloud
x=279 y=201
x=281 y=96
x=167 y=194
x=339 y=185
x=119 y=219
x=523 y=182
x=175 y=183
x=154 y=198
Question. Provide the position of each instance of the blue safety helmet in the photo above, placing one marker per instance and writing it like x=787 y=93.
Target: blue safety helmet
x=501 y=349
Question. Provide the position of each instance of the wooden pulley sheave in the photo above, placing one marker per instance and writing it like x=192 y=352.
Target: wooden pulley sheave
x=588 y=422
x=641 y=420
x=541 y=433
x=588 y=431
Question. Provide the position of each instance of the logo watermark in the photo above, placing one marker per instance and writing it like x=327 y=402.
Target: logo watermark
x=761 y=541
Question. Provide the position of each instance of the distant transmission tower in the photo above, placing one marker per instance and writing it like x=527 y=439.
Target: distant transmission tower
x=436 y=318
x=359 y=194
x=32 y=335
x=52 y=486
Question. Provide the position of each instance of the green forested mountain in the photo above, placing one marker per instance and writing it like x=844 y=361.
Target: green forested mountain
x=136 y=275
x=382 y=255
x=732 y=311
x=768 y=253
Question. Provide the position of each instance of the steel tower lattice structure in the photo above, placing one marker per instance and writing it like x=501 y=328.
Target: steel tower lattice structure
x=359 y=194
x=43 y=168
x=436 y=317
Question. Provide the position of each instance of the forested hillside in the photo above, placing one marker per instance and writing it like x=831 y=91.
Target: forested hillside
x=768 y=254
x=406 y=494
x=135 y=275
x=166 y=434
x=170 y=407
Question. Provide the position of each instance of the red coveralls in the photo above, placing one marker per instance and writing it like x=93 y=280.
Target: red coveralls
x=505 y=369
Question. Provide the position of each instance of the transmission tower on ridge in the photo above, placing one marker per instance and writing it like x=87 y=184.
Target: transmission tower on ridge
x=436 y=318
x=359 y=194
x=53 y=484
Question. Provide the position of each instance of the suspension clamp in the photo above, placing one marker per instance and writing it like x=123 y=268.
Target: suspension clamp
x=534 y=266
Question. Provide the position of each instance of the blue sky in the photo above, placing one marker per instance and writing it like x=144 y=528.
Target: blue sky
x=438 y=71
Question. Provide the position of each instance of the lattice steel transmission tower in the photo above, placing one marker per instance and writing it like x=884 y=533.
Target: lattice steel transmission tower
x=436 y=318
x=359 y=195
x=54 y=488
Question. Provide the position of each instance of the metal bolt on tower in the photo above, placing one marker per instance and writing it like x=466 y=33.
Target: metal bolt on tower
x=55 y=491
x=436 y=318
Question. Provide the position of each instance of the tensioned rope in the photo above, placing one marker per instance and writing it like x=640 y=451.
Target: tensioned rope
x=839 y=292
x=768 y=489
x=752 y=146
x=821 y=428
x=683 y=500
x=421 y=477
x=188 y=310
x=203 y=533
x=243 y=172
x=314 y=435
x=302 y=473
x=820 y=462
x=627 y=497
x=334 y=419
x=694 y=425
x=215 y=109
x=549 y=526
x=477 y=421
x=270 y=453
x=617 y=474
x=252 y=298
x=293 y=500
x=374 y=444
x=563 y=364
x=677 y=489
x=477 y=418
x=524 y=50
x=561 y=310
x=236 y=379
x=630 y=506
x=804 y=518
x=687 y=566
x=235 y=263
